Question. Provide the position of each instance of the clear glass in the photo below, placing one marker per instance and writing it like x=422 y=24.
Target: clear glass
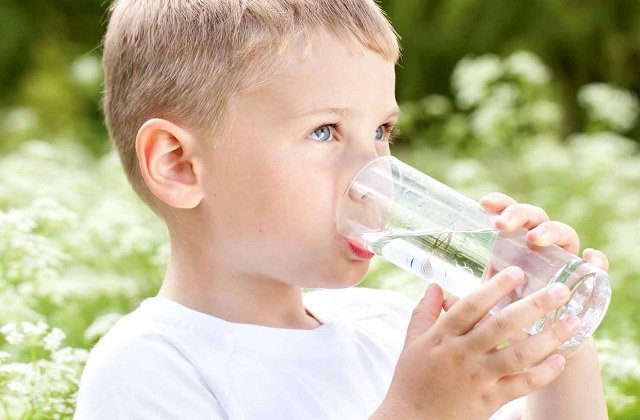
x=433 y=231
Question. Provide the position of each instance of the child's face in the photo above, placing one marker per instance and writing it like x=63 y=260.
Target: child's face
x=273 y=187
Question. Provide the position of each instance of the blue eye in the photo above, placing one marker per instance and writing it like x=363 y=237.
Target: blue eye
x=380 y=131
x=322 y=133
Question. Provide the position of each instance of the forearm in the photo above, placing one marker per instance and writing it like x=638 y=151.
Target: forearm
x=576 y=394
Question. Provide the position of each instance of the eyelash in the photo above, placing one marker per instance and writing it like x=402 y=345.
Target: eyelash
x=390 y=130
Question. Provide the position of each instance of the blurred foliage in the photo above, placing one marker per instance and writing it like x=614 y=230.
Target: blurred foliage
x=76 y=253
x=49 y=72
x=582 y=41
x=49 y=52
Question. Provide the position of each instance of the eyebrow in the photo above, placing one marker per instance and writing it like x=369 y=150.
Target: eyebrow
x=341 y=112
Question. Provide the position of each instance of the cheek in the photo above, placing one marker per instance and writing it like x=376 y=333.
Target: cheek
x=281 y=200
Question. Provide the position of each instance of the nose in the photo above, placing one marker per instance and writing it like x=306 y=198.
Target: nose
x=361 y=153
x=366 y=203
x=374 y=182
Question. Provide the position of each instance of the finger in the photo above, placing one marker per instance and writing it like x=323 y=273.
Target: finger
x=468 y=311
x=597 y=258
x=529 y=352
x=518 y=315
x=525 y=382
x=449 y=302
x=518 y=336
x=557 y=233
x=520 y=215
x=496 y=202
x=426 y=313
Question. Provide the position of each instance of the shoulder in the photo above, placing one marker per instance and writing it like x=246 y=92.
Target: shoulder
x=135 y=367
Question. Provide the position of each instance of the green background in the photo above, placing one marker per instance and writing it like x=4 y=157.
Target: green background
x=77 y=249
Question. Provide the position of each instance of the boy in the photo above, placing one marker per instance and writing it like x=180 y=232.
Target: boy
x=241 y=123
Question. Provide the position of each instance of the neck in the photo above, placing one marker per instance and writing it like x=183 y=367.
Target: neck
x=199 y=282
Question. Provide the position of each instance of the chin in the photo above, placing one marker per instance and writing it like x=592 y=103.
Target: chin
x=343 y=277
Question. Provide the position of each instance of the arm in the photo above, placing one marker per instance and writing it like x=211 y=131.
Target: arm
x=576 y=394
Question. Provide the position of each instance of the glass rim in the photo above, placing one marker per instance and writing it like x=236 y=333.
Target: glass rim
x=389 y=158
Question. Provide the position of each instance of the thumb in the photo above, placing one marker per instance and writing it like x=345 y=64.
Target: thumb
x=426 y=313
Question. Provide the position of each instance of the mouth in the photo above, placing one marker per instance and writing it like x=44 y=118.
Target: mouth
x=359 y=251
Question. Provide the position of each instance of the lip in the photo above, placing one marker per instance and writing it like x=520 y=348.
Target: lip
x=359 y=251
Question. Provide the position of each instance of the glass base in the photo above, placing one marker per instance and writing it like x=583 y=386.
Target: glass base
x=590 y=296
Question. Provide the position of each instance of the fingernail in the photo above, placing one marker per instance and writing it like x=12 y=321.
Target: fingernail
x=560 y=360
x=515 y=273
x=573 y=323
x=559 y=291
x=593 y=252
x=539 y=231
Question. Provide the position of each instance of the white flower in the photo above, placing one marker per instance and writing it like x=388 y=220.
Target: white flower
x=543 y=113
x=472 y=76
x=53 y=340
x=17 y=387
x=616 y=107
x=70 y=356
x=17 y=120
x=101 y=326
x=528 y=67
x=49 y=209
x=620 y=362
x=86 y=71
x=465 y=171
x=4 y=356
x=11 y=333
x=488 y=120
x=16 y=221
x=34 y=331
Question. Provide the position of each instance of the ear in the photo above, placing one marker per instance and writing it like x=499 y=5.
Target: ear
x=166 y=156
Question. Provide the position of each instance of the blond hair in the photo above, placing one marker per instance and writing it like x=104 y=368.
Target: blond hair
x=183 y=60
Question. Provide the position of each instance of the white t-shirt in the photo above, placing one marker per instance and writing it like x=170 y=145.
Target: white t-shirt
x=165 y=361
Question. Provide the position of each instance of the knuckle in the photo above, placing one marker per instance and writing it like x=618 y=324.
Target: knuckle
x=471 y=304
x=436 y=340
x=531 y=380
x=476 y=375
x=520 y=356
x=559 y=334
x=540 y=304
x=538 y=211
x=500 y=324
x=459 y=357
x=489 y=400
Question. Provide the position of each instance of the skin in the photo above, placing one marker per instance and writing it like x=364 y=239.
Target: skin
x=252 y=223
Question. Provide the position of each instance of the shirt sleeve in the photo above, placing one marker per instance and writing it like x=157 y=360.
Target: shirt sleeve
x=145 y=379
x=512 y=410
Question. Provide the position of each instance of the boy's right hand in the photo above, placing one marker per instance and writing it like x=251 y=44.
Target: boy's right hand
x=450 y=366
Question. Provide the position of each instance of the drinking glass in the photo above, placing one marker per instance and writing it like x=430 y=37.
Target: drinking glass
x=440 y=235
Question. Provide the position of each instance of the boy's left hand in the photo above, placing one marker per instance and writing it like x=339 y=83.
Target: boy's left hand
x=542 y=232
